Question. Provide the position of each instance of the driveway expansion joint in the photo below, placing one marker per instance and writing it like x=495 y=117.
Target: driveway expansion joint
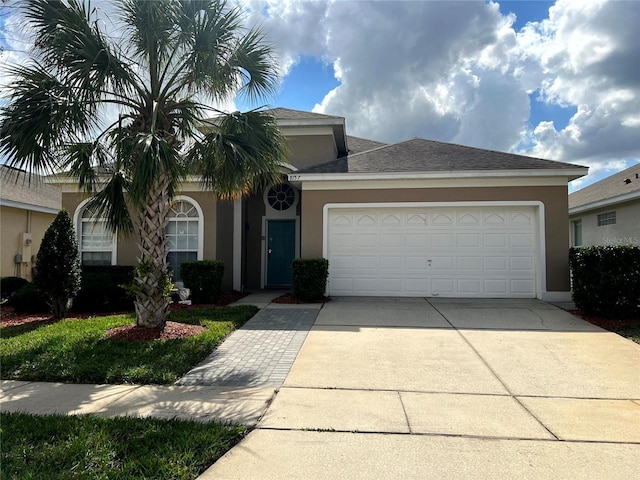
x=494 y=373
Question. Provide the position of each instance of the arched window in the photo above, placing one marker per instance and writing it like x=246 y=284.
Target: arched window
x=184 y=234
x=97 y=244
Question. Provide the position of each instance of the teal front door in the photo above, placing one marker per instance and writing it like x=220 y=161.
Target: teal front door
x=281 y=250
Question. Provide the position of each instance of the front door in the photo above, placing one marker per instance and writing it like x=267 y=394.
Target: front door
x=281 y=250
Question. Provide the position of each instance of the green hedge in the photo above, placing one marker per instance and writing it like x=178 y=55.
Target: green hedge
x=28 y=300
x=606 y=279
x=101 y=291
x=10 y=285
x=204 y=279
x=310 y=278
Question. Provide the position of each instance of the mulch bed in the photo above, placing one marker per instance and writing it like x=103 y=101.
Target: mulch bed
x=172 y=330
x=608 y=323
x=287 y=298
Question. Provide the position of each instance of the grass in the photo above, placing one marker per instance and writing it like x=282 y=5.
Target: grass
x=632 y=333
x=75 y=351
x=88 y=447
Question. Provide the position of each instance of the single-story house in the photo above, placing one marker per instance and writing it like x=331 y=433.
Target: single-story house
x=27 y=208
x=607 y=212
x=415 y=218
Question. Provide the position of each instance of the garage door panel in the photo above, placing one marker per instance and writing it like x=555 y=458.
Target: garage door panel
x=448 y=251
x=495 y=264
x=468 y=240
x=472 y=264
x=391 y=240
x=469 y=286
x=522 y=263
x=442 y=240
x=496 y=287
x=521 y=240
x=366 y=240
x=494 y=240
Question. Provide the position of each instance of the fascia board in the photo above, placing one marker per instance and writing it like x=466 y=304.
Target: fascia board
x=569 y=173
x=27 y=206
x=605 y=202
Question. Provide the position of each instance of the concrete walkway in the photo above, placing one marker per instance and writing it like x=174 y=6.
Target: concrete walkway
x=410 y=388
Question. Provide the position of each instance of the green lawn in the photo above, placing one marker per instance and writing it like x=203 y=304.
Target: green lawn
x=62 y=447
x=630 y=332
x=75 y=351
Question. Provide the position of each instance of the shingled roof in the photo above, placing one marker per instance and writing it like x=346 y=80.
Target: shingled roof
x=358 y=145
x=18 y=189
x=419 y=155
x=290 y=114
x=620 y=184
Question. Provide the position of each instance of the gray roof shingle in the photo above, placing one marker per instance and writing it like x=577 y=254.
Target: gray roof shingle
x=358 y=145
x=290 y=114
x=17 y=186
x=610 y=187
x=419 y=155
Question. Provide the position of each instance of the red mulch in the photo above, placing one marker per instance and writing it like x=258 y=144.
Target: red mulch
x=287 y=298
x=608 y=323
x=172 y=330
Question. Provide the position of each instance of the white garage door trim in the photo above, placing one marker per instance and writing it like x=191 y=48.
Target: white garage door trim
x=538 y=207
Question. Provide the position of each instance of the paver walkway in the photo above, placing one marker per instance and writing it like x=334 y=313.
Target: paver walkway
x=260 y=353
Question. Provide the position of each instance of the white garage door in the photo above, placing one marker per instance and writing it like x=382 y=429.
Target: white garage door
x=432 y=251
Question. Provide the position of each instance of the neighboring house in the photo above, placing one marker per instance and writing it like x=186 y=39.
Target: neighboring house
x=27 y=208
x=416 y=218
x=607 y=212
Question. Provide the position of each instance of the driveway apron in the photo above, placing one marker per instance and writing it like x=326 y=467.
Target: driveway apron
x=442 y=388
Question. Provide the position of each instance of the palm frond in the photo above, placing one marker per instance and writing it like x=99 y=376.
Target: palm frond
x=69 y=41
x=254 y=60
x=43 y=115
x=85 y=160
x=111 y=203
x=244 y=152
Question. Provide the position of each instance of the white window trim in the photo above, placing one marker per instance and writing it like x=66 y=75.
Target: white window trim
x=184 y=198
x=77 y=223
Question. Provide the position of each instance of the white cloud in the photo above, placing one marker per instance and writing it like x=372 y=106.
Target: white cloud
x=588 y=53
x=459 y=72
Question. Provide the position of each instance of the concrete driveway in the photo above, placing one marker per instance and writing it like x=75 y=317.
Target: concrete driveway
x=442 y=388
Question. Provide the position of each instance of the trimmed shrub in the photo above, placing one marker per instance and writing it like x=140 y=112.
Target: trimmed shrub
x=606 y=279
x=310 y=278
x=57 y=274
x=28 y=300
x=204 y=279
x=101 y=289
x=10 y=285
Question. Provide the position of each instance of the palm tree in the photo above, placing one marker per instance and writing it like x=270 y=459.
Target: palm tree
x=171 y=57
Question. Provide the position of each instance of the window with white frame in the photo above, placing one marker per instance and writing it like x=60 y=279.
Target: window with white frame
x=97 y=242
x=183 y=236
x=608 y=218
x=577 y=233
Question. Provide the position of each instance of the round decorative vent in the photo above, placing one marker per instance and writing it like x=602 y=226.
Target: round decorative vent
x=281 y=197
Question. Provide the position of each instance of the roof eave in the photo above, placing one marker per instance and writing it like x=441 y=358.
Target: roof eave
x=569 y=173
x=605 y=202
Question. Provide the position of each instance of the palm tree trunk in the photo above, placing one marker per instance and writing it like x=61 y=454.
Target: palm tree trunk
x=152 y=306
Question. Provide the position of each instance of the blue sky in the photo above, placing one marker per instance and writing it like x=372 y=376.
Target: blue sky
x=552 y=79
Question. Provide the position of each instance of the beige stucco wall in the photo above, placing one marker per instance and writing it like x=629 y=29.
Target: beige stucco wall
x=127 y=250
x=14 y=222
x=554 y=198
x=626 y=230
x=309 y=150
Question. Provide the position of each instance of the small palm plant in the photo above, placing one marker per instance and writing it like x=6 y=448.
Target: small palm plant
x=171 y=56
